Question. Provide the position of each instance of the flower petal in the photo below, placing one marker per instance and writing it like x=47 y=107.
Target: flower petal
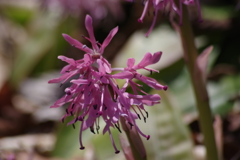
x=89 y=27
x=123 y=75
x=130 y=62
x=108 y=39
x=76 y=43
x=68 y=60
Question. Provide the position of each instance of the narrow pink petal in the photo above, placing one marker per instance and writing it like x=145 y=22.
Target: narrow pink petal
x=106 y=65
x=108 y=39
x=68 y=60
x=156 y=57
x=145 y=61
x=101 y=68
x=123 y=75
x=89 y=27
x=130 y=62
x=61 y=78
x=76 y=43
x=79 y=81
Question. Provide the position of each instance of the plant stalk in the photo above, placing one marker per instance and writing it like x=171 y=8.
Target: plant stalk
x=199 y=86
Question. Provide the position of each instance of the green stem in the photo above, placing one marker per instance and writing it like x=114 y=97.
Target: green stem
x=199 y=86
x=135 y=141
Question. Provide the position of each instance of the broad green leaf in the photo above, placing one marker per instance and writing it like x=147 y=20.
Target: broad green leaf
x=170 y=138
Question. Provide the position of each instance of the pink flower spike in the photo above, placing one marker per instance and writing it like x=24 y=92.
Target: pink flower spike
x=94 y=93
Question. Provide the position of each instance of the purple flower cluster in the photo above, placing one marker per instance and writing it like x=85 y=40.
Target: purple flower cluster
x=162 y=5
x=95 y=93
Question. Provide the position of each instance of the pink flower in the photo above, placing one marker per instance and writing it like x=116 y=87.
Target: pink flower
x=99 y=9
x=96 y=95
x=158 y=5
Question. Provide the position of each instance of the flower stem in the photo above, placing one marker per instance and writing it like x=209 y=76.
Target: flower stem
x=135 y=141
x=199 y=86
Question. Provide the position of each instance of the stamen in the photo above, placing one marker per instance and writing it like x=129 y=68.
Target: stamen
x=92 y=130
x=73 y=126
x=146 y=113
x=113 y=143
x=130 y=124
x=118 y=128
x=165 y=88
x=80 y=137
x=76 y=120
x=139 y=116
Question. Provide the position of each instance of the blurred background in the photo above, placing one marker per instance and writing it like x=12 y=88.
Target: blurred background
x=31 y=40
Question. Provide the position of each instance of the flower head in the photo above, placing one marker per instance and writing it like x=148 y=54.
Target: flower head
x=161 y=5
x=96 y=95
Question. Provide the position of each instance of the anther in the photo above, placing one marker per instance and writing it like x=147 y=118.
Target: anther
x=117 y=152
x=139 y=116
x=146 y=113
x=61 y=85
x=92 y=130
x=117 y=86
x=118 y=128
x=105 y=108
x=148 y=137
x=141 y=76
x=73 y=105
x=151 y=72
x=130 y=124
x=165 y=88
x=73 y=126
x=68 y=91
x=144 y=119
x=71 y=113
x=73 y=45
x=101 y=77
x=76 y=120
x=82 y=148
x=67 y=111
x=63 y=120
x=84 y=46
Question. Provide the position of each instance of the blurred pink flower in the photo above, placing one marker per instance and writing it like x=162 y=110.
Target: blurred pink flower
x=162 y=5
x=95 y=93
x=98 y=9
